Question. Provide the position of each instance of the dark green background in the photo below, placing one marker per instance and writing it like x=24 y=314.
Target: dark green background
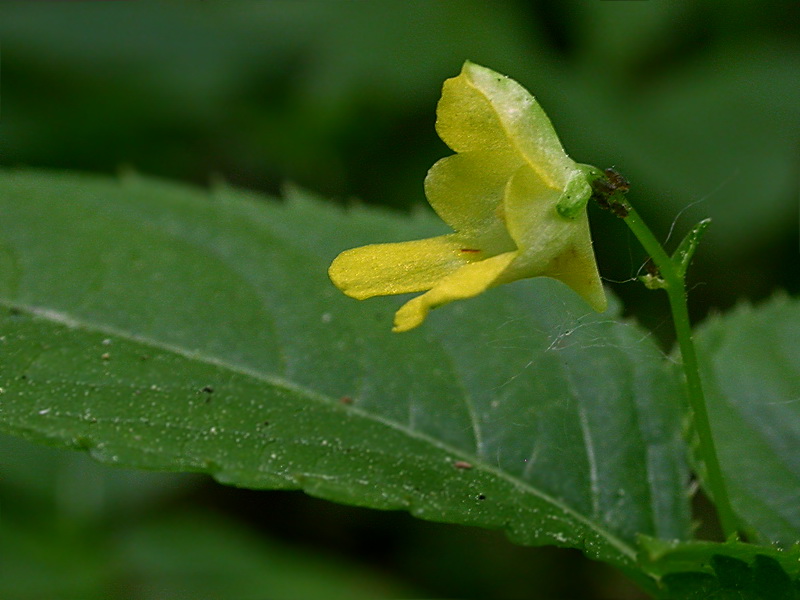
x=697 y=104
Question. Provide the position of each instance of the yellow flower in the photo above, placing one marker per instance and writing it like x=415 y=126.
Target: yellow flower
x=515 y=200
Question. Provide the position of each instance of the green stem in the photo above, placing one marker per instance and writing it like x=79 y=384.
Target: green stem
x=675 y=285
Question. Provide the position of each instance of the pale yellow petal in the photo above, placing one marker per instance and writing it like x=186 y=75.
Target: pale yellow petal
x=549 y=244
x=532 y=220
x=383 y=269
x=577 y=267
x=466 y=190
x=468 y=281
x=465 y=118
x=483 y=110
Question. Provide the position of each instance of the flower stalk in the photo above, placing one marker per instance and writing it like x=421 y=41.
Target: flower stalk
x=670 y=275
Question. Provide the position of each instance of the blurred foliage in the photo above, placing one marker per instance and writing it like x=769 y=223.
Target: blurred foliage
x=74 y=529
x=695 y=104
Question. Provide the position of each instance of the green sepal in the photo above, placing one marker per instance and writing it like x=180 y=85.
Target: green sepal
x=576 y=195
x=686 y=249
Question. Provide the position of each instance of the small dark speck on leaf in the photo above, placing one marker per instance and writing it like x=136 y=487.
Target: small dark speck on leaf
x=265 y=423
x=14 y=311
x=462 y=464
x=23 y=376
x=81 y=443
x=207 y=391
x=144 y=357
x=346 y=400
x=481 y=497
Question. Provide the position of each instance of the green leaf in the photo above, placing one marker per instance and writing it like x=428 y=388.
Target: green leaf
x=735 y=570
x=750 y=361
x=683 y=254
x=160 y=327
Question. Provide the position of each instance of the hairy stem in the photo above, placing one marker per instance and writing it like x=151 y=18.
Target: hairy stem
x=675 y=285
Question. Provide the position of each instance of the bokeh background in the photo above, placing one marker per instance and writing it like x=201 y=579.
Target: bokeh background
x=695 y=102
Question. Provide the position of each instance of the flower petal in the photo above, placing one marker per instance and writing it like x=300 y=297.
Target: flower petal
x=465 y=118
x=577 y=267
x=550 y=245
x=399 y=268
x=468 y=281
x=466 y=191
x=483 y=110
